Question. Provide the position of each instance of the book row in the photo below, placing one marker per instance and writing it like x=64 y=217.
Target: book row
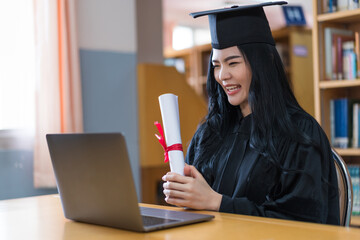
x=344 y=122
x=340 y=5
x=354 y=171
x=342 y=52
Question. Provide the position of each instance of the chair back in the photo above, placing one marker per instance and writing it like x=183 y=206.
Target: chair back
x=345 y=189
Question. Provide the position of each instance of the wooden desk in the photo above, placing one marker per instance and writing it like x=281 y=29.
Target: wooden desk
x=42 y=218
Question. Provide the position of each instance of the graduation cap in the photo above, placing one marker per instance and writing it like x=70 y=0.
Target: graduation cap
x=239 y=25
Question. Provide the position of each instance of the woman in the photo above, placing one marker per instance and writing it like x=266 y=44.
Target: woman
x=257 y=152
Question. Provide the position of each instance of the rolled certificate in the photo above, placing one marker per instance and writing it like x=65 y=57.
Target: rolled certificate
x=170 y=117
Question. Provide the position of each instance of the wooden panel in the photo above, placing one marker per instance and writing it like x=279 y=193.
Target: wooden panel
x=154 y=80
x=339 y=84
x=281 y=34
x=170 y=53
x=347 y=16
x=302 y=69
x=316 y=60
x=355 y=221
x=151 y=184
x=348 y=152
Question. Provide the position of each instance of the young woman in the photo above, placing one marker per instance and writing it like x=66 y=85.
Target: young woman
x=257 y=152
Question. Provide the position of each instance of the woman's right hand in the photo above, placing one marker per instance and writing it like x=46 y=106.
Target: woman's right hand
x=190 y=191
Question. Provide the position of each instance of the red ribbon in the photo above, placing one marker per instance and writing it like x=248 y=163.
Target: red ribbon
x=161 y=138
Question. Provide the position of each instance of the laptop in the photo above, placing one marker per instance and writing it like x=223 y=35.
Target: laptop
x=96 y=185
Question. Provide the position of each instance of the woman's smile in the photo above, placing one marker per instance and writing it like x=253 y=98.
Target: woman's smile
x=232 y=89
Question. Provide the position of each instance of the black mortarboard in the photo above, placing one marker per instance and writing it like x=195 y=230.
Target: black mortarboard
x=239 y=25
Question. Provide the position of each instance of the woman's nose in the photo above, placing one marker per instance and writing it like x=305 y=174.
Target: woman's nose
x=224 y=74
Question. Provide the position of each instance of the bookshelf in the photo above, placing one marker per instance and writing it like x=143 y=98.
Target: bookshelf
x=196 y=61
x=294 y=45
x=298 y=44
x=326 y=89
x=153 y=80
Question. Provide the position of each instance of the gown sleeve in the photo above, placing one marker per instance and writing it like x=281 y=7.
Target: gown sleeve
x=308 y=194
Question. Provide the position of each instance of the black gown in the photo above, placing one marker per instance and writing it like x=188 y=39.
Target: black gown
x=252 y=185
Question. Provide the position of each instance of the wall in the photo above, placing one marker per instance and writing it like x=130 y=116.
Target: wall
x=16 y=166
x=16 y=175
x=107 y=43
x=149 y=25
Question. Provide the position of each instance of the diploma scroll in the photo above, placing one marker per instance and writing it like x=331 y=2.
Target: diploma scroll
x=170 y=117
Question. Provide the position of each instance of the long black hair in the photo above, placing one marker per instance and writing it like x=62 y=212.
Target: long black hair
x=271 y=101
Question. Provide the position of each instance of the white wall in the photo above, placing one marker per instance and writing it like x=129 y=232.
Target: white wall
x=107 y=25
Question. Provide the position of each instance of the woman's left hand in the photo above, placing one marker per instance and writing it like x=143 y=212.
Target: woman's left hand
x=190 y=190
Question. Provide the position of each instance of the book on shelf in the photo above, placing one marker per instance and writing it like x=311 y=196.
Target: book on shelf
x=355 y=129
x=349 y=69
x=345 y=122
x=354 y=171
x=340 y=134
x=335 y=40
x=332 y=5
x=340 y=5
x=332 y=122
x=343 y=53
x=357 y=52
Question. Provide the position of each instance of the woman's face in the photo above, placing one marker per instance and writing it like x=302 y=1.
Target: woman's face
x=233 y=73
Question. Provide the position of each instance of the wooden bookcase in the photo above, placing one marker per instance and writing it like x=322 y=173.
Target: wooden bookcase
x=297 y=41
x=152 y=81
x=299 y=65
x=196 y=62
x=325 y=90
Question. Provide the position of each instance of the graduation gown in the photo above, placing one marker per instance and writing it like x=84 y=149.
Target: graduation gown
x=250 y=184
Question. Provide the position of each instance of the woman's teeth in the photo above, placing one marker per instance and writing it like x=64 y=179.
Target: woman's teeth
x=232 y=88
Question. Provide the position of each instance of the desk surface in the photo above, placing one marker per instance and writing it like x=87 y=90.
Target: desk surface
x=42 y=218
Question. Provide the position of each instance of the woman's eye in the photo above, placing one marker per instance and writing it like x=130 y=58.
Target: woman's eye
x=216 y=66
x=233 y=63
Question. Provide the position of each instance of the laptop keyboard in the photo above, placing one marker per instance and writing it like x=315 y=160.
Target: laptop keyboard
x=150 y=221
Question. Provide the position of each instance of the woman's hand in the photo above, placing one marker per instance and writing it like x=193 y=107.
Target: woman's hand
x=190 y=190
